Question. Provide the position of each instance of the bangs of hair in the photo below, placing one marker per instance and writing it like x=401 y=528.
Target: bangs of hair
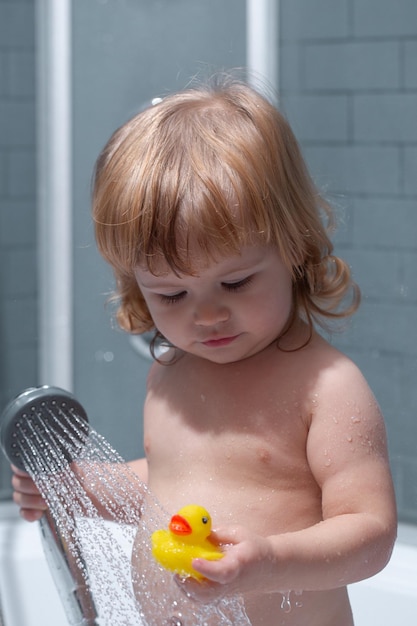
x=220 y=169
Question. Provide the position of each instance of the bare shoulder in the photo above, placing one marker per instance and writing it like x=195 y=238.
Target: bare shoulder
x=343 y=416
x=339 y=381
x=346 y=426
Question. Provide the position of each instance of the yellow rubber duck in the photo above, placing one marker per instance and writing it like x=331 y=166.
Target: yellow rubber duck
x=186 y=539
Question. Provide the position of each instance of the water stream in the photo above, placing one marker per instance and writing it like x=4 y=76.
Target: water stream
x=105 y=516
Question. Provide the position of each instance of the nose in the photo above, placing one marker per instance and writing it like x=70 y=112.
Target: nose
x=210 y=313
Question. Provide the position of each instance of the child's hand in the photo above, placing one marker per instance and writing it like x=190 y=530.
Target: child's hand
x=247 y=566
x=26 y=496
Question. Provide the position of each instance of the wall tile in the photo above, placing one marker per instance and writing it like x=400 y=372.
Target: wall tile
x=351 y=65
x=408 y=384
x=409 y=279
x=3 y=172
x=410 y=64
x=20 y=319
x=393 y=328
x=385 y=117
x=17 y=123
x=19 y=272
x=314 y=18
x=385 y=223
x=389 y=18
x=373 y=61
x=22 y=173
x=342 y=208
x=317 y=117
x=3 y=73
x=409 y=487
x=355 y=169
x=17 y=222
x=410 y=170
x=290 y=56
x=21 y=73
x=22 y=367
x=16 y=23
x=378 y=271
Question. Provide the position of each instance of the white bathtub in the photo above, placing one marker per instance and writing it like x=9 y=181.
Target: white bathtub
x=390 y=597
x=29 y=597
x=27 y=592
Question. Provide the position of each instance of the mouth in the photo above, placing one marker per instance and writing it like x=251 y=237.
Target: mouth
x=218 y=342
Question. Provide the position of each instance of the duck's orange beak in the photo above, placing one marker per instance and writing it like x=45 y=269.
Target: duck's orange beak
x=179 y=525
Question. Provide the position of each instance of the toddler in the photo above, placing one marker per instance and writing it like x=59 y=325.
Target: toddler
x=220 y=244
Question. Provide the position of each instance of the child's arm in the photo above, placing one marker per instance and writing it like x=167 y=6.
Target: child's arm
x=347 y=453
x=31 y=504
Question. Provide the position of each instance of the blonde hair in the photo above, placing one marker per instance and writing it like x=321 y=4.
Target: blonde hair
x=217 y=165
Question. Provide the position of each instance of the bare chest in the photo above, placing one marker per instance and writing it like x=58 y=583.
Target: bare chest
x=230 y=439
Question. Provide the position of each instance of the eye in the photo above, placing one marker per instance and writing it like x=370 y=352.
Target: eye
x=204 y=520
x=239 y=284
x=172 y=299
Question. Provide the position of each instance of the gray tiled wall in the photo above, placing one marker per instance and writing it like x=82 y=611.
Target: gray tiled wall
x=18 y=274
x=349 y=85
x=348 y=71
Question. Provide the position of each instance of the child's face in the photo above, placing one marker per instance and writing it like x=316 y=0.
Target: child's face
x=229 y=309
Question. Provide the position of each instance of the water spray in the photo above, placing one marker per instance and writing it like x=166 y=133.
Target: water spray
x=97 y=529
x=50 y=424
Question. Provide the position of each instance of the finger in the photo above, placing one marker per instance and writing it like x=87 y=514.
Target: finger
x=24 y=484
x=25 y=501
x=31 y=515
x=18 y=471
x=216 y=571
x=202 y=591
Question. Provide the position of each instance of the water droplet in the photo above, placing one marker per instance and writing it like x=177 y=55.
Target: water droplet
x=105 y=356
x=298 y=603
x=355 y=419
x=286 y=602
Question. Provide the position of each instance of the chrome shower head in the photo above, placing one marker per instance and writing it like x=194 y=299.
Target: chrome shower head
x=40 y=420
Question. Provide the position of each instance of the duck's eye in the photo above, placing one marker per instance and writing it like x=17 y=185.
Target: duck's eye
x=204 y=520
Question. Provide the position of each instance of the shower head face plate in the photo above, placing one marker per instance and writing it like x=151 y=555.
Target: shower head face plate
x=46 y=422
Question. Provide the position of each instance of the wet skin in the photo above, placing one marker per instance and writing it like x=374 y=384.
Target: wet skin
x=283 y=446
